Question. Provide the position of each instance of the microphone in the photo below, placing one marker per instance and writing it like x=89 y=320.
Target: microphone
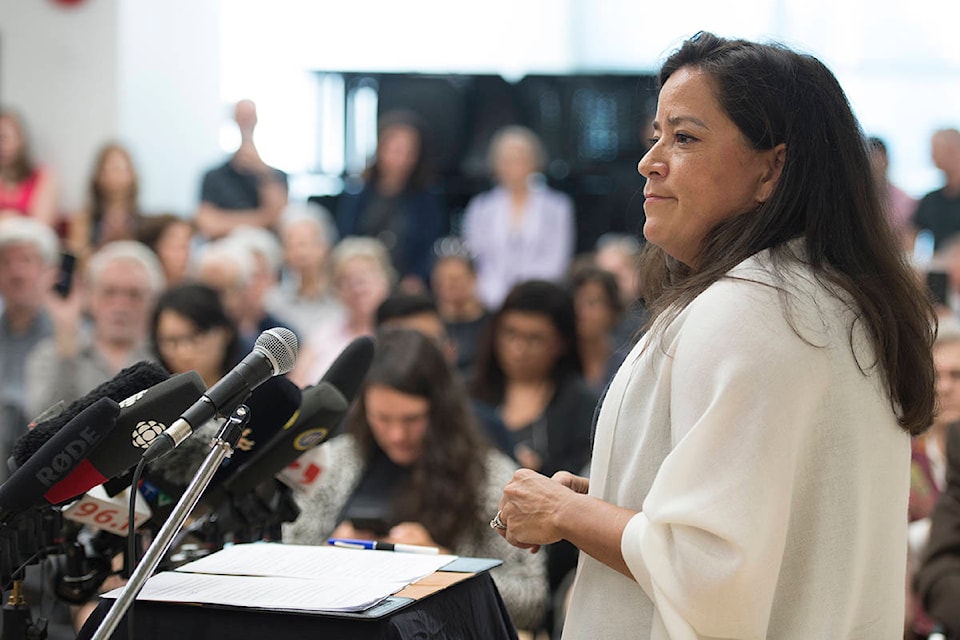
x=141 y=418
x=272 y=406
x=30 y=485
x=324 y=406
x=274 y=353
x=129 y=381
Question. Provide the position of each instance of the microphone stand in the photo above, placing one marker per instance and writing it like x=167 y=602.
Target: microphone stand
x=221 y=447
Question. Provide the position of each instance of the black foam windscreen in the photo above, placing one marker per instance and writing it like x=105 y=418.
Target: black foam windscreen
x=135 y=378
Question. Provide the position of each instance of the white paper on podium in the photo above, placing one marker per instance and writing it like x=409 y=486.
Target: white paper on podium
x=291 y=577
x=285 y=594
x=318 y=563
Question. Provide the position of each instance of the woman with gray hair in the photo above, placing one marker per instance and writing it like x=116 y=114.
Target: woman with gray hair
x=305 y=293
x=362 y=279
x=521 y=229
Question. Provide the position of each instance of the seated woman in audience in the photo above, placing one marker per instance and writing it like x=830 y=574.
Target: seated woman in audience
x=112 y=212
x=530 y=377
x=454 y=284
x=191 y=331
x=305 y=295
x=521 y=229
x=362 y=279
x=25 y=188
x=171 y=238
x=395 y=204
x=619 y=254
x=596 y=299
x=413 y=469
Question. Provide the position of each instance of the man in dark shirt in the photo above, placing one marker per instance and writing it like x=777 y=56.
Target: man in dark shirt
x=244 y=190
x=939 y=211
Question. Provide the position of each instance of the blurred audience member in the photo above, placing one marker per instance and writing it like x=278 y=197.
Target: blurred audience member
x=618 y=254
x=521 y=229
x=454 y=284
x=415 y=311
x=939 y=211
x=928 y=460
x=244 y=190
x=362 y=278
x=264 y=247
x=171 y=238
x=418 y=311
x=596 y=299
x=395 y=203
x=530 y=377
x=28 y=268
x=26 y=189
x=118 y=291
x=900 y=206
x=231 y=267
x=305 y=294
x=412 y=469
x=112 y=212
x=938 y=578
x=191 y=331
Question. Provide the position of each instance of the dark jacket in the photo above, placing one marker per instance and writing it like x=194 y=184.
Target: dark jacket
x=423 y=222
x=938 y=580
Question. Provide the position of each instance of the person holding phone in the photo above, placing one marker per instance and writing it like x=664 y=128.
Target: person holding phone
x=751 y=461
x=116 y=292
x=413 y=469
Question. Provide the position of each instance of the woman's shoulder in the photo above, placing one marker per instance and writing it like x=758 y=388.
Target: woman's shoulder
x=772 y=292
x=343 y=445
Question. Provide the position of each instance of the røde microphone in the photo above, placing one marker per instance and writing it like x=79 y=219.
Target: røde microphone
x=31 y=483
x=142 y=417
x=323 y=407
x=274 y=353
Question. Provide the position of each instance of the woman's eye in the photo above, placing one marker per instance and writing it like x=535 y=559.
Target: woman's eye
x=683 y=138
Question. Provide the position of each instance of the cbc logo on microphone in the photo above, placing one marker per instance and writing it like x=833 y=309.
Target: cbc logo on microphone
x=145 y=432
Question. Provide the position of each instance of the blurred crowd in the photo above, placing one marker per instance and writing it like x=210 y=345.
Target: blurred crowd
x=495 y=343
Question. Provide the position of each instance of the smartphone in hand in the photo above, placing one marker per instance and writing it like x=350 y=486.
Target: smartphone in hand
x=64 y=283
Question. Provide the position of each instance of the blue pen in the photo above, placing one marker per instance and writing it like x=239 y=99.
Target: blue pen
x=382 y=546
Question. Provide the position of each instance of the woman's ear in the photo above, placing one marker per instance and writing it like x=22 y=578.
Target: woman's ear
x=775 y=160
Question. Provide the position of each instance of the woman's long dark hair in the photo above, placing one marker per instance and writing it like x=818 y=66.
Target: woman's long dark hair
x=826 y=194
x=446 y=482
x=420 y=176
x=97 y=197
x=538 y=297
x=23 y=165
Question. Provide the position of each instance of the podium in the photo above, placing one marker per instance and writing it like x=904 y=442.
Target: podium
x=446 y=604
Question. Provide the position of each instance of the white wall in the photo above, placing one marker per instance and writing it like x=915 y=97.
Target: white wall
x=58 y=68
x=160 y=74
x=169 y=96
x=144 y=73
